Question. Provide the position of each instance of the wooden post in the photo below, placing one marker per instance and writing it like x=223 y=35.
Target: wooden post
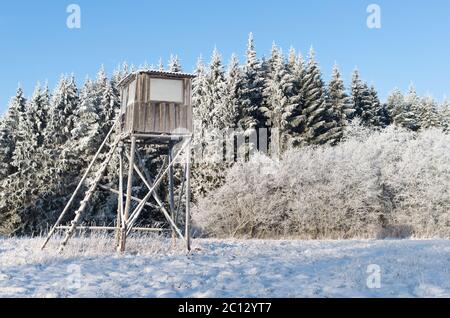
x=129 y=188
x=171 y=191
x=151 y=187
x=120 y=211
x=156 y=183
x=188 y=198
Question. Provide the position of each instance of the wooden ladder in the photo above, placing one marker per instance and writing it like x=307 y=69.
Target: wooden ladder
x=88 y=195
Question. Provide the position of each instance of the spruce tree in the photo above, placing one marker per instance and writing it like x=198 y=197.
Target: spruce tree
x=7 y=147
x=31 y=129
x=62 y=111
x=161 y=65
x=86 y=131
x=209 y=105
x=250 y=115
x=365 y=102
x=10 y=132
x=110 y=105
x=317 y=120
x=444 y=116
x=198 y=97
x=411 y=109
x=232 y=95
x=292 y=59
x=338 y=104
x=296 y=67
x=274 y=59
x=278 y=94
x=395 y=105
x=428 y=114
x=215 y=89
x=381 y=116
x=174 y=64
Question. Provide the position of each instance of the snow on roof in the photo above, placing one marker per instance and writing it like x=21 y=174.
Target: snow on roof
x=157 y=73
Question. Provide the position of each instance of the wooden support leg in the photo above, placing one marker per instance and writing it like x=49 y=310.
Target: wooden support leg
x=188 y=200
x=120 y=211
x=123 y=239
x=129 y=188
x=151 y=187
x=151 y=192
x=171 y=193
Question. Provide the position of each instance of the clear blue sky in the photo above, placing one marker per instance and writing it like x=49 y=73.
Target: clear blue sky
x=412 y=45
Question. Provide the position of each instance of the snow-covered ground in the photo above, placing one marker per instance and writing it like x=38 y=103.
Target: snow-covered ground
x=227 y=268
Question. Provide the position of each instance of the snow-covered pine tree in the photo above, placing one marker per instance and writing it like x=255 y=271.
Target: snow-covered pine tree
x=200 y=119
x=252 y=89
x=317 y=117
x=101 y=81
x=232 y=92
x=272 y=62
x=36 y=192
x=29 y=189
x=42 y=112
x=174 y=64
x=212 y=115
x=278 y=93
x=7 y=146
x=199 y=106
x=10 y=131
x=296 y=67
x=428 y=113
x=62 y=116
x=444 y=115
x=412 y=108
x=292 y=59
x=122 y=71
x=395 y=106
x=31 y=129
x=106 y=100
x=338 y=104
x=110 y=104
x=363 y=101
x=160 y=65
x=16 y=109
x=381 y=116
x=215 y=89
x=86 y=132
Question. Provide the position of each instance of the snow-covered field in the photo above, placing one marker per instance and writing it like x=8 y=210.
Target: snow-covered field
x=227 y=268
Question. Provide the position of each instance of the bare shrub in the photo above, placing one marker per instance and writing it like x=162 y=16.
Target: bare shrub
x=373 y=184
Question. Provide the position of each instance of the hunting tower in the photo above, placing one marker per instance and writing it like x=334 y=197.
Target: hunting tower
x=156 y=108
x=155 y=102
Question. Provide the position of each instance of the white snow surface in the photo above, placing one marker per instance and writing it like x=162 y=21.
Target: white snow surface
x=226 y=268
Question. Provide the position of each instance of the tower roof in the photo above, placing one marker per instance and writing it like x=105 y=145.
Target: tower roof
x=165 y=74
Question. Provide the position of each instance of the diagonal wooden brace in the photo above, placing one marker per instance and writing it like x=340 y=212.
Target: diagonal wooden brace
x=138 y=210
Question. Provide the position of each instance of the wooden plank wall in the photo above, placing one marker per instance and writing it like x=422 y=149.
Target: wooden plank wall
x=144 y=116
x=154 y=117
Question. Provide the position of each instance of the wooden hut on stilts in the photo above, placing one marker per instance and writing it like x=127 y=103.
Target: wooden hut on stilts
x=156 y=108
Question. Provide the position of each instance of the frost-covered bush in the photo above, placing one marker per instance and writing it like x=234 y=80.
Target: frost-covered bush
x=374 y=184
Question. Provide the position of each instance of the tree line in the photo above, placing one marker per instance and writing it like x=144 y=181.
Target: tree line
x=47 y=140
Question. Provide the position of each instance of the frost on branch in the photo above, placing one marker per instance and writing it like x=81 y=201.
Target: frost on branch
x=392 y=182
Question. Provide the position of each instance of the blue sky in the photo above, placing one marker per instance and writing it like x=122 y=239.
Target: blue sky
x=413 y=43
